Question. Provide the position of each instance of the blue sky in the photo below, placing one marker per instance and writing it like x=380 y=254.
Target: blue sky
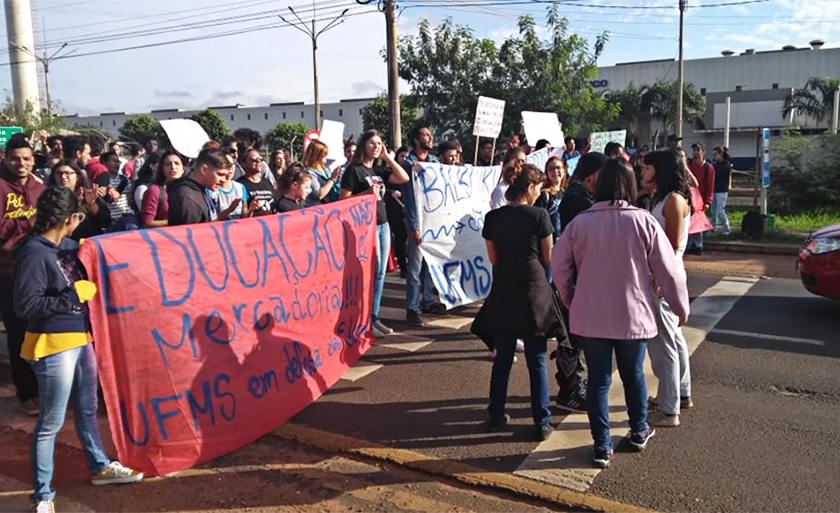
x=273 y=64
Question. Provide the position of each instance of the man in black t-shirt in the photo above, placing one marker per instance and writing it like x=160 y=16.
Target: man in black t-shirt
x=260 y=190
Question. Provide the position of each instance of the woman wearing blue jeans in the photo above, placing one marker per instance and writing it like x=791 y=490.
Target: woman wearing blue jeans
x=604 y=266
x=365 y=175
x=50 y=295
x=521 y=304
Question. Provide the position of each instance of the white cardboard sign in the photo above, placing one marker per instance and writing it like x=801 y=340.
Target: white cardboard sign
x=489 y=115
x=600 y=140
x=187 y=136
x=332 y=134
x=542 y=125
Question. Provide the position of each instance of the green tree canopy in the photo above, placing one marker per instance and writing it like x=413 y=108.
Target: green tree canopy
x=32 y=119
x=815 y=100
x=287 y=135
x=448 y=68
x=136 y=128
x=377 y=115
x=213 y=123
x=660 y=99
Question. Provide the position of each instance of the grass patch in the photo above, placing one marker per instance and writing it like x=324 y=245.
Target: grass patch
x=796 y=224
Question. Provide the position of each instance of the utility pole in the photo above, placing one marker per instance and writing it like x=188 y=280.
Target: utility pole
x=313 y=35
x=835 y=116
x=393 y=74
x=681 y=79
x=45 y=61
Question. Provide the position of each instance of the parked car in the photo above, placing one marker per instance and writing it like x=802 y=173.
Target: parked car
x=819 y=262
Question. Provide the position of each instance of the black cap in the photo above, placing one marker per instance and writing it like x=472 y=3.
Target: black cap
x=589 y=164
x=698 y=145
x=674 y=137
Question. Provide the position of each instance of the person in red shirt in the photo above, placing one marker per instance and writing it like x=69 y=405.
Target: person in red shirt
x=19 y=192
x=704 y=172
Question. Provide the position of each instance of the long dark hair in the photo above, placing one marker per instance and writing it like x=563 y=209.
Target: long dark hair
x=670 y=175
x=359 y=156
x=160 y=175
x=511 y=169
x=617 y=182
x=54 y=205
x=81 y=177
x=528 y=175
x=146 y=174
x=294 y=173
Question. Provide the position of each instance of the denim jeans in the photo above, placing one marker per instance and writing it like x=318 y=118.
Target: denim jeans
x=417 y=279
x=630 y=358
x=383 y=250
x=695 y=241
x=66 y=376
x=535 y=357
x=719 y=211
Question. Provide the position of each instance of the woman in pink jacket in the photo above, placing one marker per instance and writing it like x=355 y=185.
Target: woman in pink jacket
x=604 y=266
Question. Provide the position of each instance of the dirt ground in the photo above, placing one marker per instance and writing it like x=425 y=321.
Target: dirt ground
x=267 y=475
x=743 y=264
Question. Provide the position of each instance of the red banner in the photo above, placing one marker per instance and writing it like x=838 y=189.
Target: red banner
x=209 y=336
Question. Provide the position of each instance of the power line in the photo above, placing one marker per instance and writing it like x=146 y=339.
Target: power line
x=437 y=3
x=257 y=28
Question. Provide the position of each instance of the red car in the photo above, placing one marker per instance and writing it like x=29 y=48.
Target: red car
x=819 y=262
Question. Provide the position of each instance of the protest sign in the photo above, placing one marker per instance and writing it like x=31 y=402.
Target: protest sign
x=600 y=139
x=489 y=114
x=209 y=336
x=451 y=203
x=332 y=134
x=572 y=164
x=538 y=158
x=542 y=125
x=186 y=136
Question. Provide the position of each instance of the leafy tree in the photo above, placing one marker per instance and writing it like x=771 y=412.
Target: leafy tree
x=815 y=100
x=660 y=99
x=631 y=101
x=137 y=128
x=286 y=135
x=805 y=173
x=32 y=118
x=377 y=115
x=448 y=68
x=213 y=123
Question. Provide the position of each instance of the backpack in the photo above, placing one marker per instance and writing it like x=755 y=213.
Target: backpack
x=752 y=225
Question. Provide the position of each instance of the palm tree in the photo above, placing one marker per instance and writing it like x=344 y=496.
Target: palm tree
x=815 y=100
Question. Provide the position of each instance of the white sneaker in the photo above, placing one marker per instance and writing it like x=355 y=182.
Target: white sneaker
x=47 y=506
x=520 y=346
x=116 y=473
x=377 y=324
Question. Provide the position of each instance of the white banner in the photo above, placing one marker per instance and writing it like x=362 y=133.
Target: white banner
x=332 y=134
x=538 y=158
x=452 y=202
x=186 y=136
x=600 y=140
x=489 y=114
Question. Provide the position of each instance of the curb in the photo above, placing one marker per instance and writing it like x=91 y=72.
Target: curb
x=458 y=471
x=747 y=247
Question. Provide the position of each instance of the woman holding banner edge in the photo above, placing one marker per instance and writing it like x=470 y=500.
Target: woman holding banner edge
x=365 y=176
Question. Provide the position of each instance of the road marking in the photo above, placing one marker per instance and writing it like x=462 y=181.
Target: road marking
x=411 y=347
x=360 y=370
x=775 y=338
x=565 y=458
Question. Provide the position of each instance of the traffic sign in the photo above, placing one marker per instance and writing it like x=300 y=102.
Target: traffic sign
x=765 y=168
x=312 y=135
x=6 y=133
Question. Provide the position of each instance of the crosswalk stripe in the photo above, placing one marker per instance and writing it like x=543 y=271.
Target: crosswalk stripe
x=565 y=458
x=360 y=370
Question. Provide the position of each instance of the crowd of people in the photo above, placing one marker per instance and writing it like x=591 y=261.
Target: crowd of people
x=609 y=238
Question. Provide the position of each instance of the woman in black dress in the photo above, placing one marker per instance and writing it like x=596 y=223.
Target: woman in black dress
x=521 y=304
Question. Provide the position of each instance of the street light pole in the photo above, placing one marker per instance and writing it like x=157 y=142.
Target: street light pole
x=393 y=74
x=313 y=35
x=681 y=79
x=45 y=61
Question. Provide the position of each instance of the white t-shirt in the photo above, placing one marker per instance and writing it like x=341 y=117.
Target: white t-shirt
x=223 y=199
x=497 y=198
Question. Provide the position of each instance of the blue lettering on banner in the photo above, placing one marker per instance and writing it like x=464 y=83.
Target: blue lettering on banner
x=106 y=282
x=260 y=385
x=443 y=186
x=474 y=279
x=301 y=364
x=186 y=331
x=165 y=300
x=474 y=222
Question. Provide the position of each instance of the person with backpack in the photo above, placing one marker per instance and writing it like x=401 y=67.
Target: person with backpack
x=51 y=291
x=704 y=172
x=154 y=210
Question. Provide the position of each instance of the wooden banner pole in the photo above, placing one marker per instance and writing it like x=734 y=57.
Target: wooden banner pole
x=475 y=160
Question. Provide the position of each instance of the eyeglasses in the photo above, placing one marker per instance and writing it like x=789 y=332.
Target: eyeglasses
x=65 y=173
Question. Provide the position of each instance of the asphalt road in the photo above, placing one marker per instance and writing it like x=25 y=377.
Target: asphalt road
x=763 y=436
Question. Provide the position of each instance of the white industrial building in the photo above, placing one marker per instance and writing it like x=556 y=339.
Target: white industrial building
x=757 y=83
x=261 y=119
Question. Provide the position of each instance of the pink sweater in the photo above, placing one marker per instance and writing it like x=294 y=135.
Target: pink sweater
x=603 y=266
x=152 y=209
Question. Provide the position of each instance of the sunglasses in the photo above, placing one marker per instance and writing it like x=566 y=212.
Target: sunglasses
x=255 y=159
